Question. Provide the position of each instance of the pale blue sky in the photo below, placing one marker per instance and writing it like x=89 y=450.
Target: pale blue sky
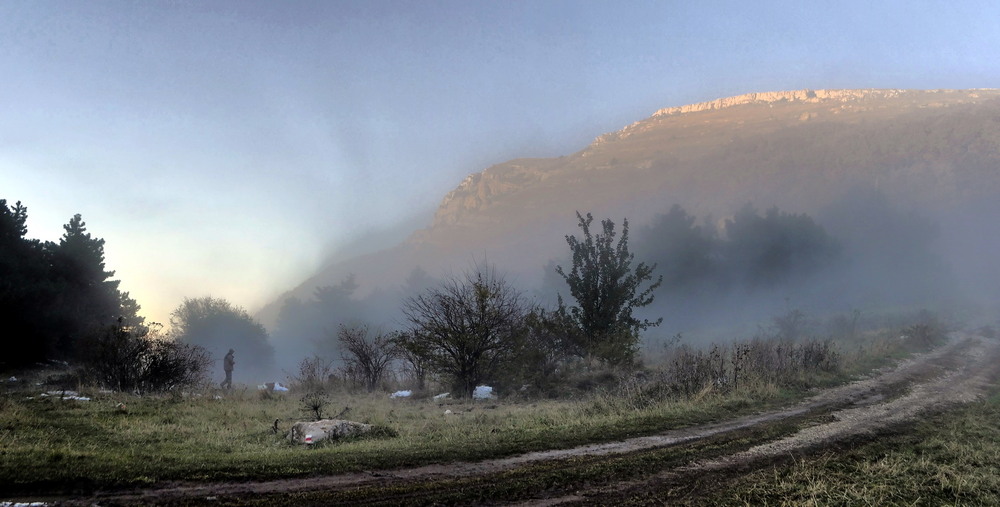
x=224 y=148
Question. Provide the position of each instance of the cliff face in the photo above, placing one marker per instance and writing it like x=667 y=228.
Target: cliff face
x=768 y=138
x=811 y=96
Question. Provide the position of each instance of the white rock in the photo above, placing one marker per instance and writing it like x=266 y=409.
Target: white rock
x=311 y=432
x=441 y=396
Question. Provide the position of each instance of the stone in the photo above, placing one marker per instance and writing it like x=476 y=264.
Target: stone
x=311 y=432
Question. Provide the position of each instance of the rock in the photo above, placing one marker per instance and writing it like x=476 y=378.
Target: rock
x=311 y=432
x=401 y=394
x=441 y=396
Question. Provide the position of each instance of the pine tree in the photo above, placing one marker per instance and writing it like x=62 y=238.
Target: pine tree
x=88 y=298
x=26 y=292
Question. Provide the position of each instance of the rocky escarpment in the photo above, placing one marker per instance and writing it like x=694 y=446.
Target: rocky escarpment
x=477 y=190
x=695 y=132
x=782 y=96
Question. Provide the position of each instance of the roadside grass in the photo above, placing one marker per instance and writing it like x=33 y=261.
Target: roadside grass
x=117 y=441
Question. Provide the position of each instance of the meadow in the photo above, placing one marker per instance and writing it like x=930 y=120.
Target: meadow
x=117 y=440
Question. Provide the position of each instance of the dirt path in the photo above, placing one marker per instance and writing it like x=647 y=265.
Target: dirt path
x=957 y=372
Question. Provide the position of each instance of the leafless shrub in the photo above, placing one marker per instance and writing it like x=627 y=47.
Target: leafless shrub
x=315 y=374
x=729 y=367
x=469 y=328
x=314 y=381
x=367 y=355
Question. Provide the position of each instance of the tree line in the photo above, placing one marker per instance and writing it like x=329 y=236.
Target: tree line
x=462 y=331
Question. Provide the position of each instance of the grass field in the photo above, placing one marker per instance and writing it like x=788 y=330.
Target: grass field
x=116 y=440
x=949 y=458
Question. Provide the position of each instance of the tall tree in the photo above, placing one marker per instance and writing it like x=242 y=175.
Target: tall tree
x=26 y=291
x=303 y=325
x=766 y=250
x=681 y=249
x=89 y=299
x=607 y=289
x=55 y=295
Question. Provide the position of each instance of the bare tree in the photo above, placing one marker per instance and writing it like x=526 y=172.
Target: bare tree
x=366 y=354
x=468 y=326
x=414 y=354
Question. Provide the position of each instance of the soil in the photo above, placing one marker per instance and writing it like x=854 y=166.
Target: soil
x=958 y=372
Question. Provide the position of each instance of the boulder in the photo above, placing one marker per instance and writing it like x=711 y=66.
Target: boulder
x=311 y=432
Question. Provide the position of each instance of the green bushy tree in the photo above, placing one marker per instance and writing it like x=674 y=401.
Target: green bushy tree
x=607 y=286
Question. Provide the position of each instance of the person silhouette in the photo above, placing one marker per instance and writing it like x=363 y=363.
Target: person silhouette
x=227 y=365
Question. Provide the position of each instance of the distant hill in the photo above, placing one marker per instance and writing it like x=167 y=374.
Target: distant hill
x=934 y=150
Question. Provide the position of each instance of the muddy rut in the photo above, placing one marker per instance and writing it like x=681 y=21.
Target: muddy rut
x=958 y=372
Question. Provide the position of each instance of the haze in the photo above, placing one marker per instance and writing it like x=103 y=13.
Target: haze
x=229 y=148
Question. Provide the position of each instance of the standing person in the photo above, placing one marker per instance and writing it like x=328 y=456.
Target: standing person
x=227 y=364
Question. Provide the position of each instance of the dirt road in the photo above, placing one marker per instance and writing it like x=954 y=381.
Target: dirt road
x=959 y=371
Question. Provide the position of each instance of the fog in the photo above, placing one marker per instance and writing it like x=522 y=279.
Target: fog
x=861 y=259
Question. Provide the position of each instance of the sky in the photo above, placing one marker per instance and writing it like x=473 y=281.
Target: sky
x=228 y=148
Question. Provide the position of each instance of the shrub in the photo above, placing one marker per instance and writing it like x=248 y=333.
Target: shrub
x=137 y=359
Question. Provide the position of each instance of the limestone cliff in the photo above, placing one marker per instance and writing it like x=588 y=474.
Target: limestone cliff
x=674 y=136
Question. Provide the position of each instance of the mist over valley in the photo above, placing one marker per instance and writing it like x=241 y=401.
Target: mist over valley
x=892 y=192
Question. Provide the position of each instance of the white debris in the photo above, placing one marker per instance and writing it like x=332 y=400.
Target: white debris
x=401 y=394
x=441 y=396
x=12 y=379
x=272 y=386
x=483 y=393
x=65 y=395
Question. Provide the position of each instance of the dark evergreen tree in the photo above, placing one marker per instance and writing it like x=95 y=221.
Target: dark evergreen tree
x=303 y=327
x=681 y=249
x=26 y=291
x=88 y=299
x=52 y=296
x=765 y=250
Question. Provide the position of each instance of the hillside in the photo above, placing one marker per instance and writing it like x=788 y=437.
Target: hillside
x=799 y=150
